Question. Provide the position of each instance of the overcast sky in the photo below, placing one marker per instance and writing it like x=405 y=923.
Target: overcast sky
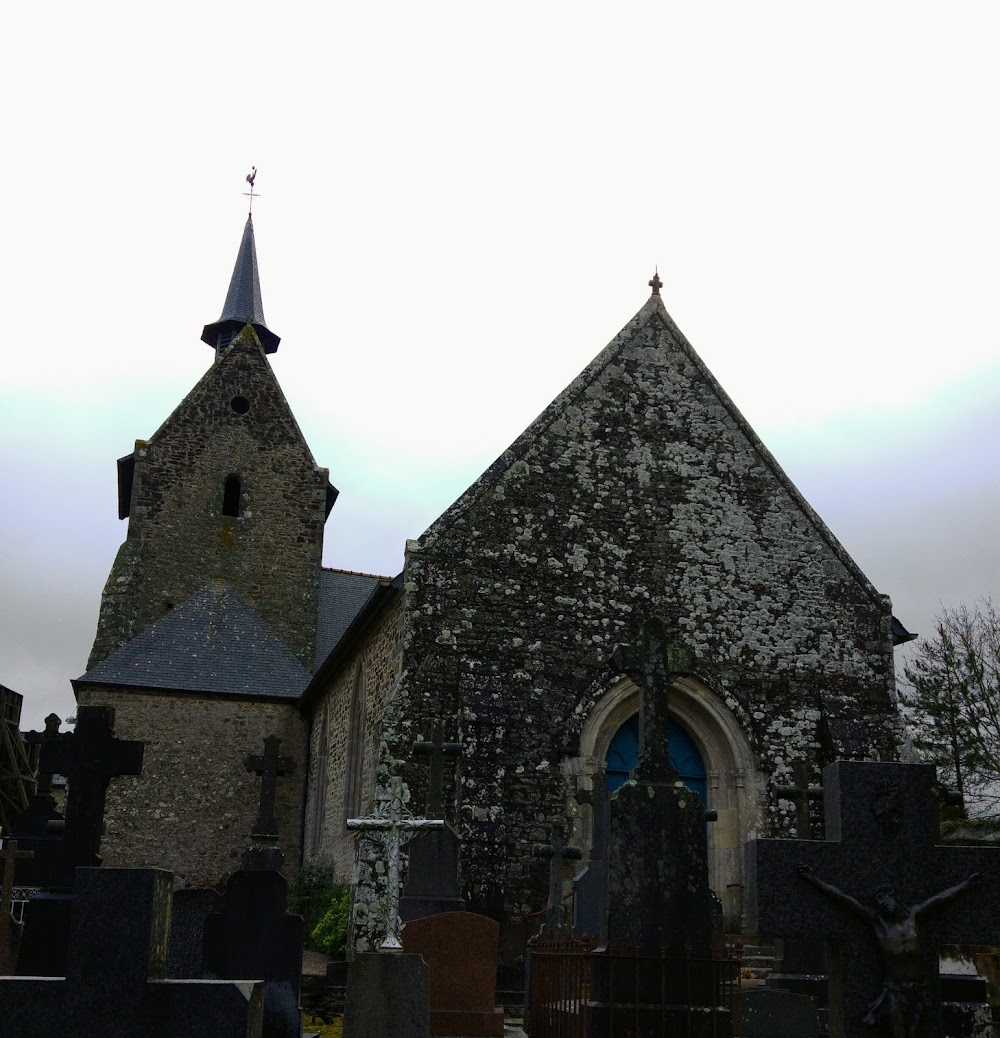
x=460 y=205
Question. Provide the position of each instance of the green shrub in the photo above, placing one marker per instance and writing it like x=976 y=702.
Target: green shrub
x=311 y=892
x=329 y=936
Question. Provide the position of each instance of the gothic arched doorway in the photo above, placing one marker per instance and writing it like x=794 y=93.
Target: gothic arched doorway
x=731 y=788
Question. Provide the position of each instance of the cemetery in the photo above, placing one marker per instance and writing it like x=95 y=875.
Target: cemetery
x=617 y=754
x=862 y=915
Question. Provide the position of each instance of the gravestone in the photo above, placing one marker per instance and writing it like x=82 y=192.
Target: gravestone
x=883 y=889
x=9 y=930
x=253 y=936
x=802 y=967
x=40 y=826
x=432 y=873
x=188 y=918
x=393 y=825
x=388 y=996
x=558 y=854
x=590 y=885
x=658 y=894
x=460 y=949
x=114 y=984
x=89 y=758
x=263 y=852
x=661 y=911
x=388 y=991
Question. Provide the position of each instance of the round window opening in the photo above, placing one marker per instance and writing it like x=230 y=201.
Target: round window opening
x=240 y=404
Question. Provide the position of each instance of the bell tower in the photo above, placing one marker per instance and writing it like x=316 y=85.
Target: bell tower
x=226 y=489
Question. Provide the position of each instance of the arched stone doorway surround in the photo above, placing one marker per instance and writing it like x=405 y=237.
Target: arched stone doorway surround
x=734 y=785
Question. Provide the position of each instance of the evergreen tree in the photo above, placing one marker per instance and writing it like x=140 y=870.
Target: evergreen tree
x=952 y=702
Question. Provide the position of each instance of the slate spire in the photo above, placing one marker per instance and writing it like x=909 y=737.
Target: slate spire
x=243 y=304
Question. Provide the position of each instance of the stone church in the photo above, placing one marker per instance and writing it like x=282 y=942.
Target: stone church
x=639 y=493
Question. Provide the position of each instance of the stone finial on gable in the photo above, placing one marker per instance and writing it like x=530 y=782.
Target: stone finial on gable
x=655 y=283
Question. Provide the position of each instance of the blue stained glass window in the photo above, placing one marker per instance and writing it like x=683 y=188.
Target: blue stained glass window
x=623 y=756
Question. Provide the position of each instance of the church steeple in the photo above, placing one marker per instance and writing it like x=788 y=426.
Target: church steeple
x=243 y=304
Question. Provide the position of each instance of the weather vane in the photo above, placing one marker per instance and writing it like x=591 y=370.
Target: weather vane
x=251 y=177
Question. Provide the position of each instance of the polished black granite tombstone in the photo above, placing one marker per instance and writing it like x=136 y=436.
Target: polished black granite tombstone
x=115 y=982
x=882 y=889
x=253 y=935
x=662 y=917
x=89 y=757
x=188 y=916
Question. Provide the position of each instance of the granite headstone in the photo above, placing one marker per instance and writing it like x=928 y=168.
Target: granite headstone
x=460 y=949
x=883 y=890
x=114 y=985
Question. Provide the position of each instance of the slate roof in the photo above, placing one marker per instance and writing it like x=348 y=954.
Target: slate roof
x=212 y=642
x=243 y=300
x=342 y=595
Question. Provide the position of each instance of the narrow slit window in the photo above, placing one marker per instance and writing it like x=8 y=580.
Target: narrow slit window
x=231 y=496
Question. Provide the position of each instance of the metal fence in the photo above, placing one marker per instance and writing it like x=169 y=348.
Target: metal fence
x=577 y=990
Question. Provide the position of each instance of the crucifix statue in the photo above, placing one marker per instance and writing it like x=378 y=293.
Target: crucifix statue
x=396 y=827
x=905 y=983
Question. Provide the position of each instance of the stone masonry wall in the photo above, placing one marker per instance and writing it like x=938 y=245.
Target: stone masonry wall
x=192 y=808
x=235 y=422
x=639 y=492
x=376 y=661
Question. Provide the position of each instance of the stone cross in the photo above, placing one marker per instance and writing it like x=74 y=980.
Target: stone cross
x=598 y=800
x=269 y=767
x=89 y=758
x=391 y=820
x=800 y=792
x=437 y=749
x=9 y=854
x=591 y=886
x=558 y=854
x=52 y=723
x=880 y=875
x=653 y=663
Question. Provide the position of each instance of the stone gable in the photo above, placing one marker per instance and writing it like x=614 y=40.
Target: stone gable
x=640 y=492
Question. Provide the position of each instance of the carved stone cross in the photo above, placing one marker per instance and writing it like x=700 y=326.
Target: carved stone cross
x=558 y=854
x=391 y=820
x=89 y=758
x=437 y=749
x=653 y=663
x=269 y=767
x=800 y=792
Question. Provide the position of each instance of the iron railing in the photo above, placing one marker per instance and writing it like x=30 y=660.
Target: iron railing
x=577 y=990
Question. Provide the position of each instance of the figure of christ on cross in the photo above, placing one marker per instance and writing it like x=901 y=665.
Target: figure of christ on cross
x=904 y=994
x=391 y=820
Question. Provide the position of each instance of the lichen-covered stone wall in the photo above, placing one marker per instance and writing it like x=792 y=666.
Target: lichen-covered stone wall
x=235 y=422
x=362 y=688
x=192 y=808
x=639 y=492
